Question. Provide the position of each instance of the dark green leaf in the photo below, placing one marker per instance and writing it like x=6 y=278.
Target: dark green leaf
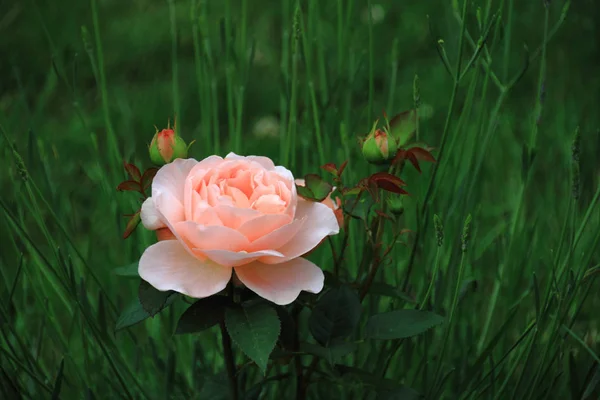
x=401 y=324
x=152 y=299
x=315 y=188
x=130 y=270
x=358 y=207
x=335 y=315
x=255 y=330
x=135 y=313
x=203 y=314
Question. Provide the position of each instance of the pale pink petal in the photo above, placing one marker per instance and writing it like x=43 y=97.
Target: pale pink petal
x=168 y=207
x=234 y=217
x=167 y=265
x=213 y=237
x=150 y=215
x=234 y=259
x=277 y=238
x=281 y=283
x=263 y=225
x=171 y=177
x=320 y=223
x=263 y=161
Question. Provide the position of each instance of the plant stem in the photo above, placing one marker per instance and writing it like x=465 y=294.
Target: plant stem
x=229 y=360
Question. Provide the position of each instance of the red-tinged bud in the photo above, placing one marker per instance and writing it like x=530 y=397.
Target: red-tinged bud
x=379 y=147
x=166 y=146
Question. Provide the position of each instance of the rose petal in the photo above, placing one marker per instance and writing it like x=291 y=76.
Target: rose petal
x=281 y=283
x=150 y=215
x=277 y=237
x=263 y=225
x=263 y=161
x=234 y=259
x=167 y=265
x=213 y=237
x=171 y=177
x=320 y=223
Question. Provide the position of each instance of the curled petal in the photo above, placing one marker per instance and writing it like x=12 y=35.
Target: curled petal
x=320 y=222
x=150 y=215
x=237 y=258
x=167 y=265
x=212 y=237
x=281 y=283
x=265 y=162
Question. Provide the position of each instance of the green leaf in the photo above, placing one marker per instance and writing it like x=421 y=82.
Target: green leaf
x=401 y=324
x=255 y=330
x=152 y=299
x=333 y=353
x=335 y=315
x=135 y=313
x=403 y=126
x=315 y=188
x=203 y=314
x=358 y=207
x=130 y=270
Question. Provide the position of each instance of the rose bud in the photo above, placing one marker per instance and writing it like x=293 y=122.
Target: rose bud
x=166 y=146
x=379 y=147
x=396 y=205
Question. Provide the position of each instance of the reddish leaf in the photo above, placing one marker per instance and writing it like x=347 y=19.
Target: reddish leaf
x=148 y=177
x=133 y=222
x=132 y=186
x=331 y=168
x=421 y=154
x=342 y=168
x=389 y=182
x=413 y=160
x=133 y=171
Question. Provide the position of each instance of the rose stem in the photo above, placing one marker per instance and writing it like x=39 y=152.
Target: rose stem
x=229 y=360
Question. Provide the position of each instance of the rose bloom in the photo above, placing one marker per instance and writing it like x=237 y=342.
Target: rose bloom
x=238 y=213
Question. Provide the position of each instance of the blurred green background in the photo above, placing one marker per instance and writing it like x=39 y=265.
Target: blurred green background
x=82 y=85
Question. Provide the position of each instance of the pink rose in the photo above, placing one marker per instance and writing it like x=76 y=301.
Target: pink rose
x=237 y=213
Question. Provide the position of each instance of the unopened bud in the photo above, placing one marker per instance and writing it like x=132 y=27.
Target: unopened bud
x=396 y=205
x=166 y=146
x=379 y=147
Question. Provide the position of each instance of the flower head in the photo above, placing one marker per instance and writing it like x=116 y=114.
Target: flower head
x=233 y=213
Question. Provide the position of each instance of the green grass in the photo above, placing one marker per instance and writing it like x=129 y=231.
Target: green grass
x=83 y=84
